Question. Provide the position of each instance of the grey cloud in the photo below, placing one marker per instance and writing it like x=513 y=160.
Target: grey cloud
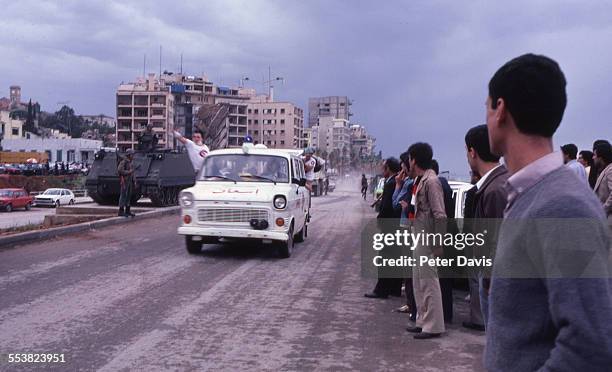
x=416 y=70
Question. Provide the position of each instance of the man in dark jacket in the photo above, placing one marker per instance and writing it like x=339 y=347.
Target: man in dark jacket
x=388 y=286
x=489 y=203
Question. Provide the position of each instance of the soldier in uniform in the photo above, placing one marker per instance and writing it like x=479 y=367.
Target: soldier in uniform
x=127 y=182
x=148 y=139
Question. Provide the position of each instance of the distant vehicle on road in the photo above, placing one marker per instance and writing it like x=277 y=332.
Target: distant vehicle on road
x=11 y=199
x=332 y=186
x=250 y=193
x=378 y=191
x=54 y=198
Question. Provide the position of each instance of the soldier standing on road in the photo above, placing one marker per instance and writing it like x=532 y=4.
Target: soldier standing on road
x=127 y=182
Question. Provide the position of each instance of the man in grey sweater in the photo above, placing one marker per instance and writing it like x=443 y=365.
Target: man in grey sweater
x=551 y=292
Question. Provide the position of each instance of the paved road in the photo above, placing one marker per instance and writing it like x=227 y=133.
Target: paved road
x=130 y=297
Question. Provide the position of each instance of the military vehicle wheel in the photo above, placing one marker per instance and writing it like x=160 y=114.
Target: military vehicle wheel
x=193 y=246
x=286 y=248
x=8 y=208
x=301 y=236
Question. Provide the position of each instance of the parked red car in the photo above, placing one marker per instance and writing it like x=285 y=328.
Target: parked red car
x=15 y=198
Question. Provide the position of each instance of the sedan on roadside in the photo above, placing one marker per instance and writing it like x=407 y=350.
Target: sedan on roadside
x=54 y=198
x=15 y=198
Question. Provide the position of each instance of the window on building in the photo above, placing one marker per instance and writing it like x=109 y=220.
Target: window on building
x=15 y=131
x=256 y=121
x=58 y=155
x=249 y=111
x=282 y=131
x=282 y=121
x=256 y=111
x=282 y=111
x=282 y=142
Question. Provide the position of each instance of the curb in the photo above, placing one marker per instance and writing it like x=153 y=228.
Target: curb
x=8 y=241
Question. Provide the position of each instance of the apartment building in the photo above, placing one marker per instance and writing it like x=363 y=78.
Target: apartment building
x=145 y=101
x=276 y=124
x=334 y=106
x=332 y=134
x=362 y=142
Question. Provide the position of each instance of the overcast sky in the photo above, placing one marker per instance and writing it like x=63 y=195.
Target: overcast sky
x=417 y=70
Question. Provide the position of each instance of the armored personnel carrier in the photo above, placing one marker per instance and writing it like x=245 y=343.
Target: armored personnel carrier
x=160 y=176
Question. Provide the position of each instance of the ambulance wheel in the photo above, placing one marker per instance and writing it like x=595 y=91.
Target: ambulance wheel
x=285 y=248
x=299 y=238
x=193 y=246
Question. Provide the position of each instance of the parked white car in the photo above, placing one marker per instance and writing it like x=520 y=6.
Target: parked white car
x=54 y=198
x=247 y=193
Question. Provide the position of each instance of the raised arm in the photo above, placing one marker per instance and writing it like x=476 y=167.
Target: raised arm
x=180 y=138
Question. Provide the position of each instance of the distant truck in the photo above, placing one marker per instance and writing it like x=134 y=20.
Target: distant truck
x=15 y=157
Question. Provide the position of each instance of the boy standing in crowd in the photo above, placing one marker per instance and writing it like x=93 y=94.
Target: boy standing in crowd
x=547 y=322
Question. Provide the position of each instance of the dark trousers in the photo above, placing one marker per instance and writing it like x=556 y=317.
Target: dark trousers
x=446 y=287
x=125 y=195
x=410 y=301
x=389 y=286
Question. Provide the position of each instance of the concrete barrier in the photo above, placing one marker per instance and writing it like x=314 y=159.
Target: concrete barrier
x=10 y=241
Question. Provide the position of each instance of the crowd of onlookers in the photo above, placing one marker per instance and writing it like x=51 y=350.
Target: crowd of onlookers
x=535 y=322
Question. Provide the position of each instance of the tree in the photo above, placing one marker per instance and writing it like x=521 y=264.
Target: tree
x=29 y=123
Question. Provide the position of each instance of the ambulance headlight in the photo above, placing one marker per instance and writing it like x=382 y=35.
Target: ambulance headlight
x=280 y=202
x=186 y=199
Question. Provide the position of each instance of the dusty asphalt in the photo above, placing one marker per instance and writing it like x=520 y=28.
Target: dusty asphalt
x=131 y=298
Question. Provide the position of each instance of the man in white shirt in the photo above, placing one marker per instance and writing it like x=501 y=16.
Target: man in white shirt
x=569 y=158
x=309 y=166
x=196 y=148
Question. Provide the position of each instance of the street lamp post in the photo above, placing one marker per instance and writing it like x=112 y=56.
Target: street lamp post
x=270 y=93
x=268 y=83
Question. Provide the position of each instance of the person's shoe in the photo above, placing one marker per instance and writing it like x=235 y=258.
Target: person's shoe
x=474 y=326
x=374 y=295
x=121 y=212
x=426 y=335
x=403 y=309
x=414 y=329
x=128 y=212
